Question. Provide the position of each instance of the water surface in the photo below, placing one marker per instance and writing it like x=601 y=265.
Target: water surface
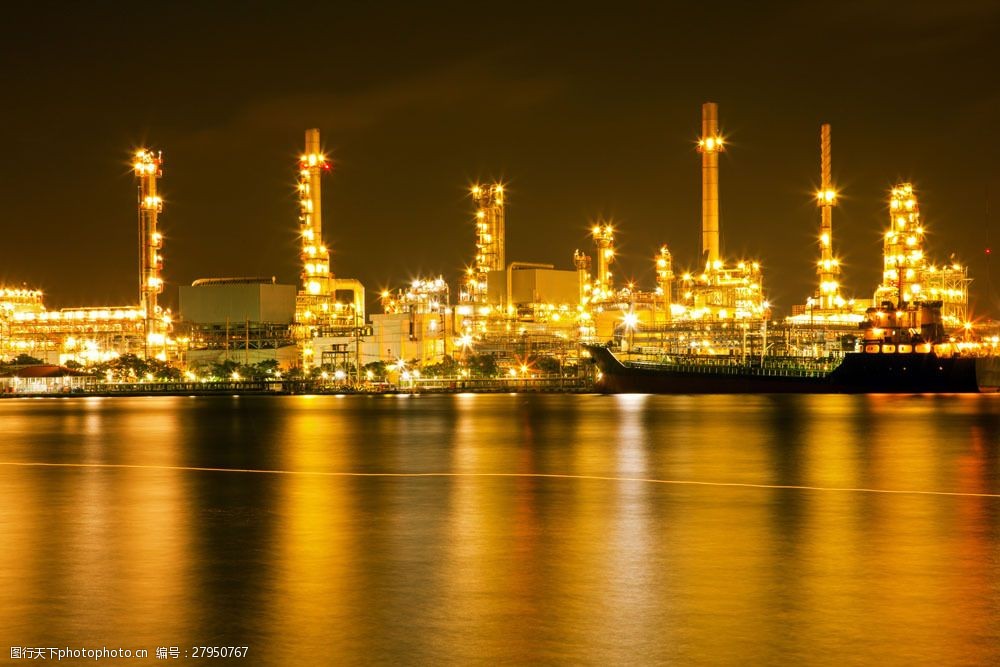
x=512 y=528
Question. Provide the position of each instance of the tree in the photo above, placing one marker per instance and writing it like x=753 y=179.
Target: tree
x=127 y=367
x=224 y=370
x=264 y=369
x=447 y=367
x=378 y=370
x=161 y=370
x=483 y=365
x=130 y=367
x=26 y=360
x=547 y=365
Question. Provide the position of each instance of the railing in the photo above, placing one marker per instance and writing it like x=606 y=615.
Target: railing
x=770 y=368
x=215 y=387
x=416 y=385
x=498 y=385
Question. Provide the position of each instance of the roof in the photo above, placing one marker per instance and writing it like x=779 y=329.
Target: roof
x=204 y=282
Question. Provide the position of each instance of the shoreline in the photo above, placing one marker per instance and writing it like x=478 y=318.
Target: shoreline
x=589 y=389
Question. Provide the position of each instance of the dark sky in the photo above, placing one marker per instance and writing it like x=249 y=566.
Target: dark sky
x=582 y=112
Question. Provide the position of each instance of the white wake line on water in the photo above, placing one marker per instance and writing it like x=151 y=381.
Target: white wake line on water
x=601 y=478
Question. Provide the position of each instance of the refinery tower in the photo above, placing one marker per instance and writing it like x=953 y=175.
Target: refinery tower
x=90 y=334
x=720 y=292
x=323 y=322
x=827 y=306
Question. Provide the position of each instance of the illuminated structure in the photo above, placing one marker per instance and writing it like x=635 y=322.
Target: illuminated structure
x=725 y=293
x=490 y=242
x=601 y=305
x=316 y=277
x=315 y=299
x=318 y=313
x=907 y=276
x=710 y=145
x=85 y=335
x=91 y=334
x=414 y=323
x=148 y=168
x=239 y=319
x=719 y=292
x=582 y=263
x=502 y=307
x=827 y=305
x=604 y=244
x=17 y=304
x=665 y=278
x=508 y=308
x=828 y=268
x=15 y=301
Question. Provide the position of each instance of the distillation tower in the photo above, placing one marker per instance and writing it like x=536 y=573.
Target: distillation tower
x=604 y=247
x=908 y=276
x=665 y=278
x=490 y=241
x=503 y=304
x=317 y=281
x=828 y=267
x=148 y=167
x=319 y=316
x=827 y=306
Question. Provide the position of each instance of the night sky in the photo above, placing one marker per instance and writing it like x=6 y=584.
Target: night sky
x=582 y=113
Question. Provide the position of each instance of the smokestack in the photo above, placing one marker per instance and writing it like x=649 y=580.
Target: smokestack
x=824 y=141
x=828 y=269
x=316 y=276
x=710 y=145
x=314 y=164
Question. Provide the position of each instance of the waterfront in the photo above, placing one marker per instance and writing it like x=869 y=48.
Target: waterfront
x=507 y=528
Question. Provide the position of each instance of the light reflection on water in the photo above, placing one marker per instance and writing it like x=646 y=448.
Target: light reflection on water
x=551 y=564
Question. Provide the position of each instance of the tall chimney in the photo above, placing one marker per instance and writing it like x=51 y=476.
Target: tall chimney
x=828 y=268
x=710 y=145
x=315 y=167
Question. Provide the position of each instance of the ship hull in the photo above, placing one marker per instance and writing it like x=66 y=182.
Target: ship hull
x=910 y=373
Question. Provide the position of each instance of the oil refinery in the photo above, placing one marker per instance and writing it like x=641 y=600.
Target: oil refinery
x=521 y=317
x=97 y=333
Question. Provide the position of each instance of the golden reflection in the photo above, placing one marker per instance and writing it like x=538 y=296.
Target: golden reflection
x=145 y=513
x=107 y=543
x=316 y=549
x=754 y=529
x=977 y=468
x=25 y=509
x=492 y=532
x=830 y=451
x=631 y=443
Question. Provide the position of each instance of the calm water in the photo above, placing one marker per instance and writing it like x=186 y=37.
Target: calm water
x=484 y=529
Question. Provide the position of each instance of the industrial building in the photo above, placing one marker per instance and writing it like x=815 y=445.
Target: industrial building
x=97 y=333
x=242 y=319
x=716 y=310
x=322 y=320
x=513 y=310
x=827 y=307
x=249 y=320
x=909 y=276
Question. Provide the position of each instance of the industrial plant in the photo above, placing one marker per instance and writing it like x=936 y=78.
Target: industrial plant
x=504 y=317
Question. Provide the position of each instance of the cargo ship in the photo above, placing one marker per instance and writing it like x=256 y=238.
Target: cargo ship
x=899 y=351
